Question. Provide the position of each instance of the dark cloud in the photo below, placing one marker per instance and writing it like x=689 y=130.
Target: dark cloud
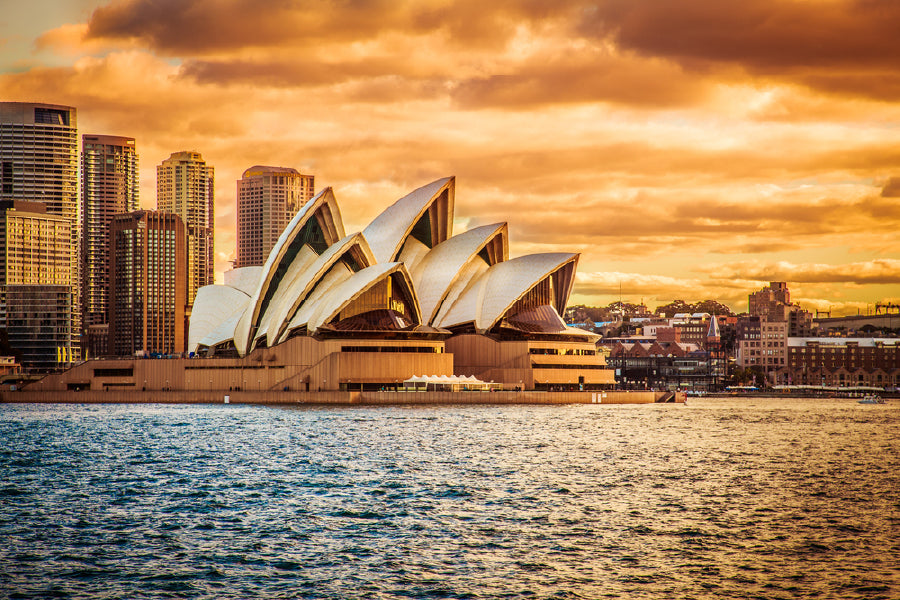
x=878 y=84
x=891 y=189
x=209 y=26
x=758 y=246
x=764 y=35
x=640 y=52
x=203 y=26
x=300 y=72
x=812 y=43
x=373 y=81
x=585 y=75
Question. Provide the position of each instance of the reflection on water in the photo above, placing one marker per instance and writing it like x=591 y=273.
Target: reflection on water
x=761 y=498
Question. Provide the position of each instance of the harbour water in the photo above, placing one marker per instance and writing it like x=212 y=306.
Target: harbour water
x=720 y=498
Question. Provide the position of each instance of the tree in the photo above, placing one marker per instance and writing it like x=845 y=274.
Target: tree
x=712 y=307
x=673 y=308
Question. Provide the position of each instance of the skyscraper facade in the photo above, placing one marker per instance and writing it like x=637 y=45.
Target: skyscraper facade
x=39 y=163
x=147 y=287
x=36 y=282
x=267 y=199
x=185 y=186
x=110 y=186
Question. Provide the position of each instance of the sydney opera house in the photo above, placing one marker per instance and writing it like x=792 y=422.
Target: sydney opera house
x=370 y=310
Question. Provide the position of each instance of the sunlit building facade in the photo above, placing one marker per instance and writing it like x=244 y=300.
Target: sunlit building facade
x=36 y=284
x=39 y=163
x=110 y=186
x=147 y=287
x=267 y=199
x=185 y=186
x=841 y=362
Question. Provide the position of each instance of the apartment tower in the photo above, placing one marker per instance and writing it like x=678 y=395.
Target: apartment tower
x=109 y=186
x=39 y=165
x=267 y=199
x=185 y=187
x=147 y=284
x=36 y=278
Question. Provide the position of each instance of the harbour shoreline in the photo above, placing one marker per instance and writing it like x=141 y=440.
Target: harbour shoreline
x=386 y=398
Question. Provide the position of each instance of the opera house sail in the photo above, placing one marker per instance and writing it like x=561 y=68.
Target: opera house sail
x=369 y=310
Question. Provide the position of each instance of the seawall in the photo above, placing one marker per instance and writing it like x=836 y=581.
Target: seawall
x=336 y=397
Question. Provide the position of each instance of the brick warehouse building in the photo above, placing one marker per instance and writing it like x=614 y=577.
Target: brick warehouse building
x=842 y=362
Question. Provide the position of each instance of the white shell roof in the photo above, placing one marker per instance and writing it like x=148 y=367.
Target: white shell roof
x=413 y=252
x=488 y=298
x=244 y=278
x=443 y=265
x=285 y=304
x=344 y=294
x=388 y=231
x=213 y=305
x=222 y=333
x=325 y=202
x=298 y=267
x=471 y=272
x=336 y=275
x=449 y=281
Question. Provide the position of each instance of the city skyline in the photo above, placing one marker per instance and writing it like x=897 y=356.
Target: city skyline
x=691 y=154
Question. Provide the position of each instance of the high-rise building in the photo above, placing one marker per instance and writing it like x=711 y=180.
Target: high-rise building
x=147 y=284
x=185 y=187
x=36 y=282
x=110 y=186
x=267 y=199
x=39 y=163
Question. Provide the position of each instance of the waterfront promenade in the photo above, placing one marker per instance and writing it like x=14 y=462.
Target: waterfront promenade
x=337 y=397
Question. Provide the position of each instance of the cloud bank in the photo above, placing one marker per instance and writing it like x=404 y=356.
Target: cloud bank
x=702 y=148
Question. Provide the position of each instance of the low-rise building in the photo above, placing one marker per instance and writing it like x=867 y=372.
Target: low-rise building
x=762 y=344
x=841 y=362
x=665 y=365
x=761 y=340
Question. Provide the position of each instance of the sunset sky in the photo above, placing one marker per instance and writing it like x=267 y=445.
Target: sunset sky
x=689 y=150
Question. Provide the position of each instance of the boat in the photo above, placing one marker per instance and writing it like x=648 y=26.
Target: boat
x=871 y=399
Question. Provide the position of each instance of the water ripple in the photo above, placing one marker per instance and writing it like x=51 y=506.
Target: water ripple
x=757 y=498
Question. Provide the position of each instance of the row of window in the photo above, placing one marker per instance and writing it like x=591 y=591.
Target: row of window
x=563 y=352
x=395 y=349
x=570 y=367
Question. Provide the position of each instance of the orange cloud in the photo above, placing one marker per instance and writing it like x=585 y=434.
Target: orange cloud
x=583 y=74
x=171 y=26
x=651 y=137
x=878 y=271
x=891 y=189
x=846 y=47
